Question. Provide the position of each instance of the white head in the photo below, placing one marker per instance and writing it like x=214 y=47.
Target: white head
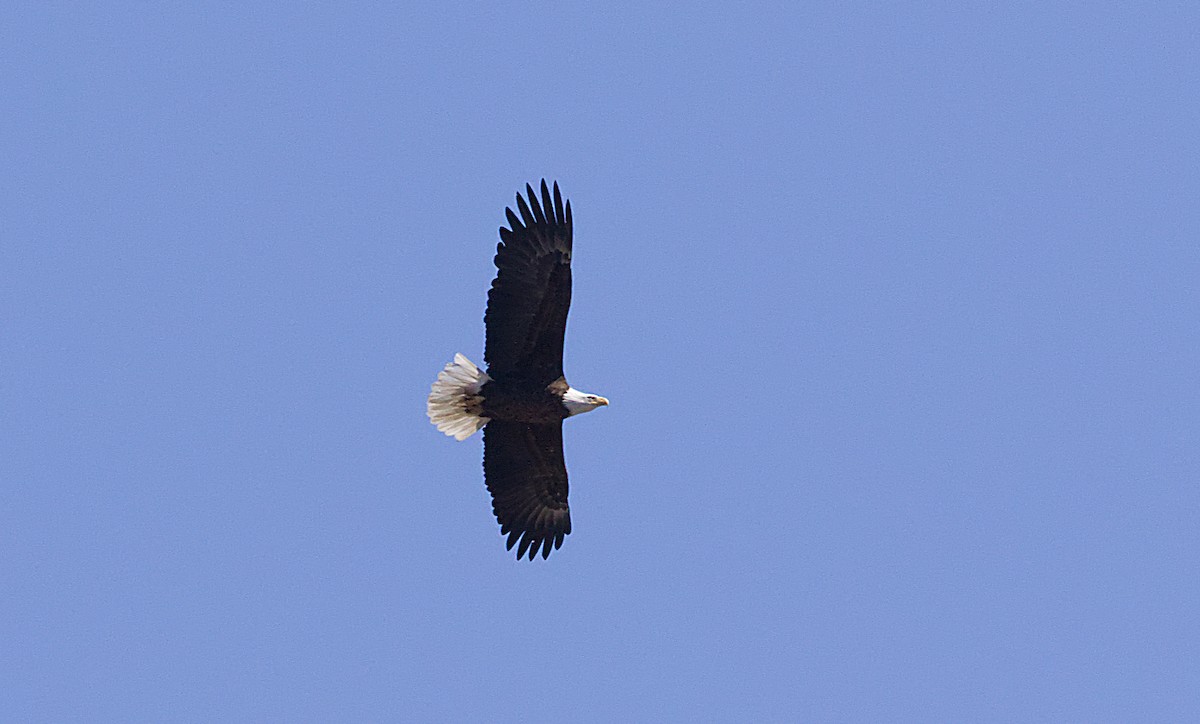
x=578 y=402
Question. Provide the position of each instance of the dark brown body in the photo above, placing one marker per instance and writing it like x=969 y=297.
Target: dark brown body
x=520 y=402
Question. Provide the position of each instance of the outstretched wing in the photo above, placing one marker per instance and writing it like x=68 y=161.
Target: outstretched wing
x=527 y=305
x=525 y=473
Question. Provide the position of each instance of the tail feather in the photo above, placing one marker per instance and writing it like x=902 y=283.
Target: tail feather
x=455 y=405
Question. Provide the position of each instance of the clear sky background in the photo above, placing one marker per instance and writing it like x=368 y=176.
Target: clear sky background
x=897 y=311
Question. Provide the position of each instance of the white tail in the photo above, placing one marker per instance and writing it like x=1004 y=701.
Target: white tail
x=455 y=406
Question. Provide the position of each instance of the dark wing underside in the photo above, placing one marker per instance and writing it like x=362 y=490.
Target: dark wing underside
x=525 y=473
x=529 y=299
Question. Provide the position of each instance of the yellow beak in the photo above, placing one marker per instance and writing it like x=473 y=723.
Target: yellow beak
x=601 y=400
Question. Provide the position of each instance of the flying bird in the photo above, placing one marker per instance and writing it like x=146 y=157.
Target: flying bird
x=520 y=402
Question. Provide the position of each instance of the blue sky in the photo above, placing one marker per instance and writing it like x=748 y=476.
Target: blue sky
x=896 y=307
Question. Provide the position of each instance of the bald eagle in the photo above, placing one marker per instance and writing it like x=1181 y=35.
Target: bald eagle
x=520 y=402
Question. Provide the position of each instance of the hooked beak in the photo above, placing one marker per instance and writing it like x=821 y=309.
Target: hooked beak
x=602 y=401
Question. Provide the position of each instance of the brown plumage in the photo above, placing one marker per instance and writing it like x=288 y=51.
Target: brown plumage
x=523 y=398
